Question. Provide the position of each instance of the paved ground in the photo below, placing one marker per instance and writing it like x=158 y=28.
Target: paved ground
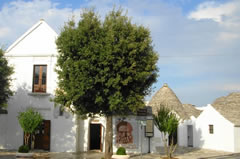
x=181 y=153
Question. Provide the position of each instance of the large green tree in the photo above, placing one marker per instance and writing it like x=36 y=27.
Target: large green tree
x=5 y=80
x=104 y=67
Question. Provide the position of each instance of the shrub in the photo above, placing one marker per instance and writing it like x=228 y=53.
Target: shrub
x=29 y=121
x=23 y=149
x=121 y=151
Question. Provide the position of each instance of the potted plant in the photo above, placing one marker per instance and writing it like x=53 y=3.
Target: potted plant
x=23 y=152
x=121 y=154
x=29 y=121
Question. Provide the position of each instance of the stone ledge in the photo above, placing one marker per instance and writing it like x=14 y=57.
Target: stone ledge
x=24 y=155
x=39 y=94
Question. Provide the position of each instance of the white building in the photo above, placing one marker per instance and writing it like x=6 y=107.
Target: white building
x=186 y=113
x=34 y=57
x=218 y=126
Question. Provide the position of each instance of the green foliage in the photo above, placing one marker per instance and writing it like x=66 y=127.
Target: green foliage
x=5 y=79
x=121 y=151
x=23 y=149
x=166 y=121
x=29 y=120
x=104 y=67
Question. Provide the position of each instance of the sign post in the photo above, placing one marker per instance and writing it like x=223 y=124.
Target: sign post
x=144 y=115
x=149 y=131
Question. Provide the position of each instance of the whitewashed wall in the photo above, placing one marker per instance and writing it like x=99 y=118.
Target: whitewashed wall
x=36 y=47
x=133 y=148
x=83 y=136
x=237 y=139
x=140 y=142
x=3 y=130
x=63 y=129
x=223 y=136
x=182 y=131
x=156 y=141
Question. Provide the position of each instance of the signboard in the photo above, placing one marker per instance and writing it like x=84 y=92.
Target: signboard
x=149 y=132
x=142 y=112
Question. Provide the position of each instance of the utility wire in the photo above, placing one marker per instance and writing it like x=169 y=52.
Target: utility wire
x=189 y=56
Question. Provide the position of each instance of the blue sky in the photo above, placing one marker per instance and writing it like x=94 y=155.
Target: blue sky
x=197 y=40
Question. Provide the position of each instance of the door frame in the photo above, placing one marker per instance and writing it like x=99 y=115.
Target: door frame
x=101 y=136
x=189 y=127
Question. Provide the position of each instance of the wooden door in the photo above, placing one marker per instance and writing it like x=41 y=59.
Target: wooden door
x=42 y=136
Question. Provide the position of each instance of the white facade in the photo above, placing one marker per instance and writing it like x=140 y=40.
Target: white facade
x=183 y=134
x=36 y=47
x=237 y=139
x=224 y=134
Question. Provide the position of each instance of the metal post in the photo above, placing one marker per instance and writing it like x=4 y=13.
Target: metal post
x=141 y=140
x=149 y=145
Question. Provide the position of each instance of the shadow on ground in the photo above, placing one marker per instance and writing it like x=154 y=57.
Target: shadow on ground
x=181 y=153
x=230 y=156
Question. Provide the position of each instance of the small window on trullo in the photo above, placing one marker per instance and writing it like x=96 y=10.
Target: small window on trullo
x=210 y=129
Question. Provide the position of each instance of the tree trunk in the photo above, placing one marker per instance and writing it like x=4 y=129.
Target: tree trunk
x=109 y=138
x=27 y=136
x=33 y=141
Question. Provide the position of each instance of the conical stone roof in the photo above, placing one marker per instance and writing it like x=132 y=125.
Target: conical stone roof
x=191 y=110
x=229 y=107
x=166 y=97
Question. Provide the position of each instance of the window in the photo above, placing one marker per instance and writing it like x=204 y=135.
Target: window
x=210 y=129
x=39 y=78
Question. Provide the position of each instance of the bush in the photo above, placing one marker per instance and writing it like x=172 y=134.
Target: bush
x=121 y=151
x=23 y=149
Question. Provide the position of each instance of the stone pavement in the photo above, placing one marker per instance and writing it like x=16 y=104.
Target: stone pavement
x=181 y=153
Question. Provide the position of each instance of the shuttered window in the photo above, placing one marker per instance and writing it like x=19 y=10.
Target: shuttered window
x=210 y=129
x=40 y=78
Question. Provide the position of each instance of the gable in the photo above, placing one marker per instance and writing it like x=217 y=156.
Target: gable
x=211 y=115
x=229 y=107
x=39 y=40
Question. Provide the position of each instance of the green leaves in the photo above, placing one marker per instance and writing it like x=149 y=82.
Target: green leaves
x=5 y=80
x=166 y=121
x=104 y=67
x=29 y=120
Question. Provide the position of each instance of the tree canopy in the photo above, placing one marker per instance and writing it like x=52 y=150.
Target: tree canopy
x=104 y=67
x=5 y=80
x=29 y=120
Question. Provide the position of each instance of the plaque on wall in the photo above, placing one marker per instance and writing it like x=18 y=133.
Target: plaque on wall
x=149 y=131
